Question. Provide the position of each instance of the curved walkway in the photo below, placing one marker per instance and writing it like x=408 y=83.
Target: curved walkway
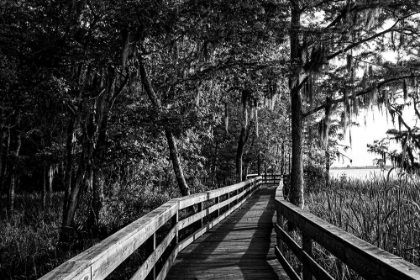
x=239 y=247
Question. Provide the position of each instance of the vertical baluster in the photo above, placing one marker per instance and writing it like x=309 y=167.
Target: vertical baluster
x=151 y=247
x=217 y=201
x=307 y=247
x=280 y=224
x=175 y=220
x=200 y=208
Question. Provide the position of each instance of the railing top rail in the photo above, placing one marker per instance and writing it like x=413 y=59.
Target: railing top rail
x=187 y=201
x=363 y=257
x=96 y=260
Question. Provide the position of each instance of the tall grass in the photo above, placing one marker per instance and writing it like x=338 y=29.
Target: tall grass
x=383 y=212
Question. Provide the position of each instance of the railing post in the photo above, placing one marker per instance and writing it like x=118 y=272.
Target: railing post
x=217 y=201
x=307 y=248
x=200 y=208
x=228 y=197
x=280 y=224
x=175 y=220
x=151 y=248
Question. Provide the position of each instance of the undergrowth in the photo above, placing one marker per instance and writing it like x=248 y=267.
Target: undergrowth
x=29 y=239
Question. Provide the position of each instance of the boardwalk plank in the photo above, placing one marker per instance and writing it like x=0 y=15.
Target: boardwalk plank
x=240 y=247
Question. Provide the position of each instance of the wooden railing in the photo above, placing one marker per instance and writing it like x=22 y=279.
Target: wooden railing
x=362 y=257
x=182 y=227
x=268 y=178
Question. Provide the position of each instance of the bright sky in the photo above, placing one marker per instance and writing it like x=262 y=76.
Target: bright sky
x=376 y=126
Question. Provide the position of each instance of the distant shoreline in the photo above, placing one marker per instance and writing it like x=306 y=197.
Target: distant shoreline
x=358 y=167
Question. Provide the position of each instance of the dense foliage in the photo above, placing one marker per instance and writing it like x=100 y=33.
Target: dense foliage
x=112 y=107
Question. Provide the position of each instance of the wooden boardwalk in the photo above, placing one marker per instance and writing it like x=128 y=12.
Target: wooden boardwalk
x=240 y=247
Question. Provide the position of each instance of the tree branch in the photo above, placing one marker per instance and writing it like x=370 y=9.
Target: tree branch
x=363 y=92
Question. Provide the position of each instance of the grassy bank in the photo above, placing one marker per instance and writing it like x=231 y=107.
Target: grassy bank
x=383 y=213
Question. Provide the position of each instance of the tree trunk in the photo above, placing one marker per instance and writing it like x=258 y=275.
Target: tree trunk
x=296 y=188
x=239 y=154
x=179 y=174
x=11 y=193
x=68 y=178
x=14 y=167
x=327 y=167
x=50 y=181
x=326 y=141
x=214 y=167
x=1 y=154
x=259 y=163
x=44 y=188
x=243 y=138
x=73 y=200
x=282 y=159
x=97 y=197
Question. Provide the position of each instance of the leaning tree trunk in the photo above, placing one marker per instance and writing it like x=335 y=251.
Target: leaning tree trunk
x=99 y=155
x=296 y=188
x=179 y=174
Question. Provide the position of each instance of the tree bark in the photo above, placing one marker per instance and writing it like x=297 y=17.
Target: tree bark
x=326 y=141
x=14 y=167
x=50 y=181
x=243 y=138
x=214 y=167
x=68 y=179
x=97 y=197
x=1 y=153
x=11 y=193
x=73 y=200
x=239 y=155
x=179 y=174
x=282 y=159
x=296 y=188
x=44 y=188
x=259 y=163
x=327 y=167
